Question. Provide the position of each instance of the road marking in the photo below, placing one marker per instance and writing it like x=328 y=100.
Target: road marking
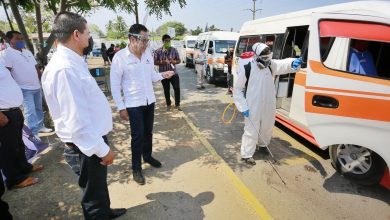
x=242 y=188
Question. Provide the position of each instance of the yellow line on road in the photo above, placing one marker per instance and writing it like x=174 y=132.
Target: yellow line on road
x=245 y=192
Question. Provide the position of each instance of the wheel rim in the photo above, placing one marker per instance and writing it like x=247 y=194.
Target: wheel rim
x=208 y=77
x=354 y=159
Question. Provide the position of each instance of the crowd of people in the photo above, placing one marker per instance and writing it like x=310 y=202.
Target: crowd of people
x=82 y=115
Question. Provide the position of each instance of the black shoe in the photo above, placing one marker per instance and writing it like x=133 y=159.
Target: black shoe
x=262 y=150
x=168 y=108
x=202 y=87
x=153 y=162
x=178 y=108
x=115 y=213
x=249 y=161
x=138 y=177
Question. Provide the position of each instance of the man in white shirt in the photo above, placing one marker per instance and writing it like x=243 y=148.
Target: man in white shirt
x=13 y=161
x=81 y=114
x=24 y=70
x=132 y=71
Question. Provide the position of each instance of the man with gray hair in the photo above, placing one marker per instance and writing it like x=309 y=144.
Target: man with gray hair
x=81 y=114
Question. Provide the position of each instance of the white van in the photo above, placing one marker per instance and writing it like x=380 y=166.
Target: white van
x=340 y=99
x=188 y=50
x=218 y=44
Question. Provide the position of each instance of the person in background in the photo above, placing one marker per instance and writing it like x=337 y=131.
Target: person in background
x=133 y=73
x=13 y=160
x=166 y=58
x=25 y=71
x=111 y=52
x=254 y=96
x=81 y=114
x=361 y=60
x=229 y=61
x=104 y=54
x=200 y=65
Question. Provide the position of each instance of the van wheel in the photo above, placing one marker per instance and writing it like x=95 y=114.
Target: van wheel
x=209 y=78
x=357 y=163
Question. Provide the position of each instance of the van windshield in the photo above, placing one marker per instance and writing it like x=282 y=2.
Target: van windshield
x=223 y=46
x=191 y=44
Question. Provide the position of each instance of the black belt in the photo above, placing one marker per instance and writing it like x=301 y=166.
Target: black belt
x=8 y=109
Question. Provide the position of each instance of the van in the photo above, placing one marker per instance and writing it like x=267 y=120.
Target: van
x=340 y=98
x=218 y=44
x=188 y=50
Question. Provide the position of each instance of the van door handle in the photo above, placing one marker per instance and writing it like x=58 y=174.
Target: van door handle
x=325 y=101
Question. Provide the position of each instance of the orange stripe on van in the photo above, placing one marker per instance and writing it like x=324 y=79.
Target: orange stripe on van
x=300 y=78
x=318 y=67
x=348 y=91
x=209 y=61
x=353 y=107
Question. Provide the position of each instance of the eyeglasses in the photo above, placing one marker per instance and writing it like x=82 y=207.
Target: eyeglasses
x=144 y=38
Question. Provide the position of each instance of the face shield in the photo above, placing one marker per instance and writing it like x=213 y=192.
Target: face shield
x=263 y=55
x=144 y=38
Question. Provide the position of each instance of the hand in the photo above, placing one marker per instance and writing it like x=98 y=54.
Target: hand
x=167 y=74
x=296 y=63
x=3 y=120
x=167 y=61
x=124 y=114
x=246 y=113
x=108 y=159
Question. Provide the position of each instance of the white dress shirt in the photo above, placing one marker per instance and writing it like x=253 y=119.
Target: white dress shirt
x=10 y=93
x=78 y=107
x=22 y=64
x=134 y=77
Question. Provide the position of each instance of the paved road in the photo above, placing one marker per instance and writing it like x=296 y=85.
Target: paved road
x=313 y=189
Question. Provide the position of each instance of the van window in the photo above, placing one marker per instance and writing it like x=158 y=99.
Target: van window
x=295 y=37
x=353 y=52
x=223 y=46
x=190 y=44
x=245 y=44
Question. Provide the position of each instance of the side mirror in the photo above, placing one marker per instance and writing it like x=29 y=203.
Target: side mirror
x=210 y=51
x=184 y=46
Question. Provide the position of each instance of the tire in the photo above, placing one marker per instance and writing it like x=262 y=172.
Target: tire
x=368 y=170
x=187 y=65
x=210 y=79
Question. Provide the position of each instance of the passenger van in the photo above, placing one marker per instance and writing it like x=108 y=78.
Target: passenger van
x=188 y=50
x=340 y=99
x=218 y=45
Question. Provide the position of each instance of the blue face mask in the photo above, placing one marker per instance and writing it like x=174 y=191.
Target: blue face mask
x=20 y=44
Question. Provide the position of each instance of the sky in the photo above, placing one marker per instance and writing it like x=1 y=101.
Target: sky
x=224 y=14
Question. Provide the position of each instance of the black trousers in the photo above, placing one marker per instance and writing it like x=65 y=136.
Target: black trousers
x=13 y=160
x=141 y=125
x=175 y=81
x=4 y=213
x=92 y=179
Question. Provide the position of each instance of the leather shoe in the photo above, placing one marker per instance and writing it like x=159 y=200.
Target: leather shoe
x=115 y=213
x=138 y=177
x=153 y=162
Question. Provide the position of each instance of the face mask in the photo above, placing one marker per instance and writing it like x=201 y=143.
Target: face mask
x=88 y=49
x=20 y=44
x=264 y=61
x=167 y=45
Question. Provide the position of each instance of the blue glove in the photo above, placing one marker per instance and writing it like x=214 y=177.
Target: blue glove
x=246 y=113
x=296 y=63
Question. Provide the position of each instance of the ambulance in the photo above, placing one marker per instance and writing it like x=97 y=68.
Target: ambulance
x=188 y=50
x=340 y=98
x=218 y=44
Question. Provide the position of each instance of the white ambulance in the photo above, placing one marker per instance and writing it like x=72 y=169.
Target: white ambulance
x=340 y=99
x=188 y=50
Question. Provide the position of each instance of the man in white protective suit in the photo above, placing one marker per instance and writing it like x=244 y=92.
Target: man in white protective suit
x=254 y=96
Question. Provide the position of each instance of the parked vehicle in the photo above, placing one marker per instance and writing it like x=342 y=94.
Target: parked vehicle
x=327 y=102
x=97 y=52
x=217 y=45
x=188 y=50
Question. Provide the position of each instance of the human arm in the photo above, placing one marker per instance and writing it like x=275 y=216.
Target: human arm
x=3 y=119
x=280 y=67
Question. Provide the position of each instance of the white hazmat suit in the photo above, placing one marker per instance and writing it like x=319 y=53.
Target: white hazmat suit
x=260 y=100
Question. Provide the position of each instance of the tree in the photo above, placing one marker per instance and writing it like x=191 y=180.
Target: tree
x=117 y=29
x=197 y=31
x=213 y=28
x=93 y=28
x=179 y=28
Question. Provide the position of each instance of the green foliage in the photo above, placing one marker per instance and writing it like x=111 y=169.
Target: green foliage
x=122 y=44
x=213 y=28
x=93 y=28
x=4 y=26
x=179 y=28
x=157 y=7
x=197 y=31
x=117 y=29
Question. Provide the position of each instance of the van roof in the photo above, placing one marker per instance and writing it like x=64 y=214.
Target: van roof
x=267 y=25
x=218 y=35
x=190 y=37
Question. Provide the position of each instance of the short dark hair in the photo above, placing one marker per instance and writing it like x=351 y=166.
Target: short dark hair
x=65 y=23
x=137 y=28
x=10 y=34
x=165 y=36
